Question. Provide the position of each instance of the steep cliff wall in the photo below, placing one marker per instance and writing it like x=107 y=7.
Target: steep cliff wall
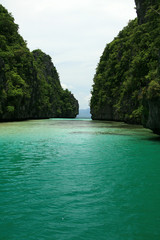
x=127 y=80
x=29 y=82
x=142 y=6
x=60 y=103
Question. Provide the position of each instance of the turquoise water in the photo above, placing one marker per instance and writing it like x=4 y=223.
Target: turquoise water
x=78 y=180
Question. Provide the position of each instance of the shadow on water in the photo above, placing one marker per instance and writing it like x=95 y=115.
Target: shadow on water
x=154 y=139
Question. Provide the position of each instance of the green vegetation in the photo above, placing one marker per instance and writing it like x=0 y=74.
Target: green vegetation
x=127 y=78
x=29 y=82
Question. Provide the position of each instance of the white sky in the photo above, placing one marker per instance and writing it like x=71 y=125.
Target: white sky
x=73 y=32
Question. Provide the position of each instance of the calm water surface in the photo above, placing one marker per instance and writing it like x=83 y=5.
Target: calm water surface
x=78 y=180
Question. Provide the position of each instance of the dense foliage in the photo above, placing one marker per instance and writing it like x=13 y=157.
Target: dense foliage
x=51 y=97
x=128 y=74
x=29 y=82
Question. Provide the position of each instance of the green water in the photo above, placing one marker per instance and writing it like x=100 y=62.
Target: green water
x=78 y=180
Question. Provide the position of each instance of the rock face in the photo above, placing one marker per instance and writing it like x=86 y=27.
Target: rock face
x=152 y=101
x=29 y=83
x=127 y=80
x=105 y=113
x=154 y=116
x=142 y=6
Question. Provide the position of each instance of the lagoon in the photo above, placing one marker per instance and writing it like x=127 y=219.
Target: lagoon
x=64 y=179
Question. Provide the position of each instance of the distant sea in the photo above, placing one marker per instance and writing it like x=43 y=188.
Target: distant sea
x=84 y=113
x=64 y=179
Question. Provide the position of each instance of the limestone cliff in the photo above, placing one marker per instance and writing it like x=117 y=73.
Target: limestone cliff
x=127 y=80
x=142 y=6
x=29 y=83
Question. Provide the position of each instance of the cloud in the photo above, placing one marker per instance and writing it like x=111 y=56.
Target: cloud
x=87 y=98
x=66 y=86
x=84 y=99
x=73 y=32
